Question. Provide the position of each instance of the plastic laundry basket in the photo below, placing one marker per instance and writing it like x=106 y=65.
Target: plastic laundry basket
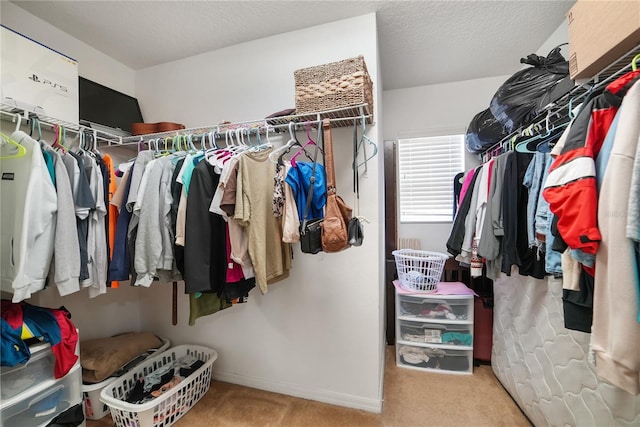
x=168 y=408
x=419 y=270
x=94 y=409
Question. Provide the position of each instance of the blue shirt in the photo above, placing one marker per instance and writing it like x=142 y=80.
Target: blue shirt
x=299 y=178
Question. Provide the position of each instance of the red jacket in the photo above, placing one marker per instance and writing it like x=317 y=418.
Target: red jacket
x=570 y=188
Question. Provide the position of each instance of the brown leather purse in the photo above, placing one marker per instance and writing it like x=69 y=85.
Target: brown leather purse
x=337 y=215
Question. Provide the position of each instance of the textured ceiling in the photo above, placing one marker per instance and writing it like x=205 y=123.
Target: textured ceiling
x=421 y=42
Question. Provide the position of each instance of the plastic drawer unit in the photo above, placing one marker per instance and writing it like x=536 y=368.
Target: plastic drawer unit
x=434 y=332
x=20 y=378
x=39 y=404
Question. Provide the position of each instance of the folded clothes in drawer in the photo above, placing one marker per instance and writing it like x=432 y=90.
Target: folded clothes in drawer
x=434 y=308
x=39 y=368
x=436 y=333
x=435 y=358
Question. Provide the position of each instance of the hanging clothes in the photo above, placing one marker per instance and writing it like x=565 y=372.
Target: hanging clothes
x=270 y=257
x=490 y=245
x=516 y=250
x=154 y=240
x=96 y=233
x=616 y=331
x=299 y=178
x=290 y=218
x=29 y=207
x=112 y=211
x=224 y=204
x=66 y=260
x=456 y=238
x=204 y=245
x=571 y=188
x=121 y=259
x=85 y=203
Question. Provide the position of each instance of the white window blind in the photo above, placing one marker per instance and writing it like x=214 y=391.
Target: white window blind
x=426 y=168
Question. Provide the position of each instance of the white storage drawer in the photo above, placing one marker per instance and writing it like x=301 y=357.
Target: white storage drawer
x=435 y=359
x=440 y=308
x=39 y=405
x=435 y=333
x=20 y=378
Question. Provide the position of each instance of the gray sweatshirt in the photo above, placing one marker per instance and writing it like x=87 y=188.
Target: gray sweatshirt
x=66 y=251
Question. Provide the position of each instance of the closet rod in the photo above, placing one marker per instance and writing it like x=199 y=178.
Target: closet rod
x=339 y=117
x=570 y=99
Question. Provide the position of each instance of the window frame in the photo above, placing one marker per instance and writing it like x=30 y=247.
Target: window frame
x=448 y=143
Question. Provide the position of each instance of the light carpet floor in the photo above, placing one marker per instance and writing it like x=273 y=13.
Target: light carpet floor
x=411 y=399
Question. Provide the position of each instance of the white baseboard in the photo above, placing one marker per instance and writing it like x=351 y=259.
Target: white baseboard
x=325 y=396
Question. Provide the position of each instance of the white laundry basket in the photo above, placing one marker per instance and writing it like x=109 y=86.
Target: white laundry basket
x=419 y=270
x=168 y=408
x=94 y=409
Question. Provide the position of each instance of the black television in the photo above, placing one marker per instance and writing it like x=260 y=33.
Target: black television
x=100 y=105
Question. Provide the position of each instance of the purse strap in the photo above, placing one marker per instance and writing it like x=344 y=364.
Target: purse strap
x=328 y=153
x=312 y=182
x=356 y=177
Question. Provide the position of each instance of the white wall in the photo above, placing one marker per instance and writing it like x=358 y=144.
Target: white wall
x=430 y=111
x=92 y=64
x=317 y=334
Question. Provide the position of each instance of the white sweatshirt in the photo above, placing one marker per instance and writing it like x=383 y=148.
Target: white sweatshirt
x=27 y=228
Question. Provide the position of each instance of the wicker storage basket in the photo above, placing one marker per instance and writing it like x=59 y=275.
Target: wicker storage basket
x=331 y=86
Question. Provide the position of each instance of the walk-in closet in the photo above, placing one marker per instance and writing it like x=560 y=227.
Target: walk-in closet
x=323 y=213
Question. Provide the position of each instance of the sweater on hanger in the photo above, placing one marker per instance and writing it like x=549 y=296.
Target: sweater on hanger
x=66 y=271
x=27 y=230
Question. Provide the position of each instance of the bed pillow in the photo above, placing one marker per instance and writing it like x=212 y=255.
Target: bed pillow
x=101 y=358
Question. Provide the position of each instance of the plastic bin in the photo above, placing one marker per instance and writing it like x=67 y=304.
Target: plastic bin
x=94 y=408
x=19 y=378
x=40 y=404
x=168 y=408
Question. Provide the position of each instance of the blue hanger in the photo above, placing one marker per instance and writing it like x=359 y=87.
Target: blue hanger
x=531 y=145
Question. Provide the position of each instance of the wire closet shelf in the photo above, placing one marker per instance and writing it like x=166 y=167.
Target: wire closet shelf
x=340 y=117
x=17 y=114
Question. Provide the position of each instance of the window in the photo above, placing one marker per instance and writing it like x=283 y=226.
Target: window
x=426 y=168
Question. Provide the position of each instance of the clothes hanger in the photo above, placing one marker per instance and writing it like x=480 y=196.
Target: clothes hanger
x=531 y=144
x=21 y=149
x=276 y=156
x=364 y=138
x=634 y=65
x=264 y=144
x=18 y=122
x=95 y=142
x=35 y=124
x=302 y=149
x=59 y=131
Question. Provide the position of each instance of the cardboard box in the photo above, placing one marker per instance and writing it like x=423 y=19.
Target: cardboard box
x=37 y=78
x=599 y=33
